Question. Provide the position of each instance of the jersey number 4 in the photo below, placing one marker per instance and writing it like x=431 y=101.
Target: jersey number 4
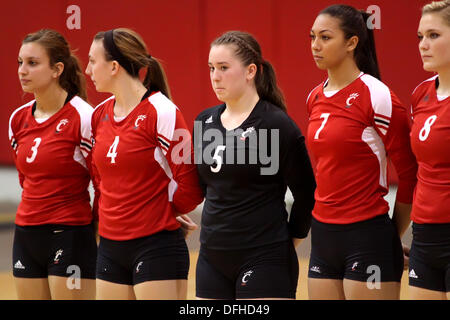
x=112 y=152
x=323 y=116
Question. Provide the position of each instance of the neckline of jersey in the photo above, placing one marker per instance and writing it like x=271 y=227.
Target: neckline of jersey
x=112 y=116
x=53 y=116
x=339 y=92
x=222 y=109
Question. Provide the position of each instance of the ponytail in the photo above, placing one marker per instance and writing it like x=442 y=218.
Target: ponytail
x=128 y=48
x=354 y=23
x=72 y=79
x=267 y=88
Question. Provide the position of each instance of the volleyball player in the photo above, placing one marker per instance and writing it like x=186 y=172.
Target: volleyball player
x=429 y=266
x=54 y=250
x=247 y=241
x=355 y=122
x=144 y=179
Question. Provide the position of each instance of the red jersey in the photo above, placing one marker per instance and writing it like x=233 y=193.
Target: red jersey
x=144 y=183
x=430 y=141
x=350 y=135
x=52 y=159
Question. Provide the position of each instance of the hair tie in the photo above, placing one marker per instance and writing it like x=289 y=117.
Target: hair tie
x=111 y=48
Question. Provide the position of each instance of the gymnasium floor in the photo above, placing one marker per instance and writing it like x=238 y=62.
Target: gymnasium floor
x=8 y=198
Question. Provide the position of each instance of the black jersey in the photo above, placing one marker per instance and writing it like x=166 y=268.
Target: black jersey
x=245 y=173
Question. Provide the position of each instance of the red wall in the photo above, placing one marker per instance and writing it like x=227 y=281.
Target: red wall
x=179 y=32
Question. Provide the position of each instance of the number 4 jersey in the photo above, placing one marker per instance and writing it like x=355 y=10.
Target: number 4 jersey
x=430 y=141
x=144 y=169
x=350 y=134
x=52 y=158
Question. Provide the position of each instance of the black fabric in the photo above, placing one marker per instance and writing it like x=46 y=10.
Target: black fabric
x=245 y=208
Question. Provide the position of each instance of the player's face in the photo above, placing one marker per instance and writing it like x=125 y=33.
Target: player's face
x=98 y=68
x=229 y=77
x=434 y=45
x=328 y=44
x=35 y=72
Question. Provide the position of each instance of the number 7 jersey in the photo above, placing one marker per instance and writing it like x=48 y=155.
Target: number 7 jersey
x=350 y=134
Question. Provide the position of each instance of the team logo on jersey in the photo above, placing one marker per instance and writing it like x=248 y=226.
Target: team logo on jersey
x=246 y=133
x=245 y=277
x=139 y=118
x=105 y=118
x=209 y=120
x=61 y=125
x=426 y=98
x=57 y=256
x=351 y=99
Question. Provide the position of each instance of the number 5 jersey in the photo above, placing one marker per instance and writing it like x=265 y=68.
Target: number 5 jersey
x=350 y=134
x=52 y=157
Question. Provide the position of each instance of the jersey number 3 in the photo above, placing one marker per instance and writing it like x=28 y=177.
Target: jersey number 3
x=112 y=152
x=323 y=116
x=34 y=148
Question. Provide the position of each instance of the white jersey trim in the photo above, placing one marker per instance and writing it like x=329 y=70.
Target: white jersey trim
x=375 y=143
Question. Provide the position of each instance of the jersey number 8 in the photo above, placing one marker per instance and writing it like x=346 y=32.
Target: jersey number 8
x=425 y=131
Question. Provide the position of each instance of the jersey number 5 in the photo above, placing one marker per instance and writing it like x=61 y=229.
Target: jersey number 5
x=34 y=148
x=112 y=153
x=218 y=159
x=323 y=116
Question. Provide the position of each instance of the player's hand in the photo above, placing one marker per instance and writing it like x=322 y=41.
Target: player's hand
x=405 y=257
x=187 y=224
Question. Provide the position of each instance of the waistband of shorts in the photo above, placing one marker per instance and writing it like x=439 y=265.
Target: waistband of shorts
x=349 y=226
x=51 y=227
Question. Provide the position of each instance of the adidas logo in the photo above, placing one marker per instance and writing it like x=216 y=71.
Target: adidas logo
x=19 y=265
x=209 y=120
x=412 y=274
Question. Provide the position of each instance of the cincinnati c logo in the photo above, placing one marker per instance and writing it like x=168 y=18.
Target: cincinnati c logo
x=139 y=118
x=61 y=124
x=351 y=98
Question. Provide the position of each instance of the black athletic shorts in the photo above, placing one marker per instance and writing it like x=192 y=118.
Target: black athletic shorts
x=57 y=250
x=160 y=256
x=369 y=250
x=269 y=271
x=429 y=257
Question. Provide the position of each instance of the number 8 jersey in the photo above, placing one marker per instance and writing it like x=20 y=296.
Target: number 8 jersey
x=350 y=135
x=52 y=158
x=430 y=141
x=143 y=168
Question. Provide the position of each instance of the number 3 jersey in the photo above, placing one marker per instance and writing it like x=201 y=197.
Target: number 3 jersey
x=430 y=141
x=52 y=158
x=350 y=134
x=245 y=173
x=143 y=168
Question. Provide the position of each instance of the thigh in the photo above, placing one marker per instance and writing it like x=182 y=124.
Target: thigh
x=270 y=271
x=63 y=288
x=211 y=281
x=416 y=293
x=161 y=290
x=106 y=290
x=32 y=289
x=357 y=290
x=325 y=289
